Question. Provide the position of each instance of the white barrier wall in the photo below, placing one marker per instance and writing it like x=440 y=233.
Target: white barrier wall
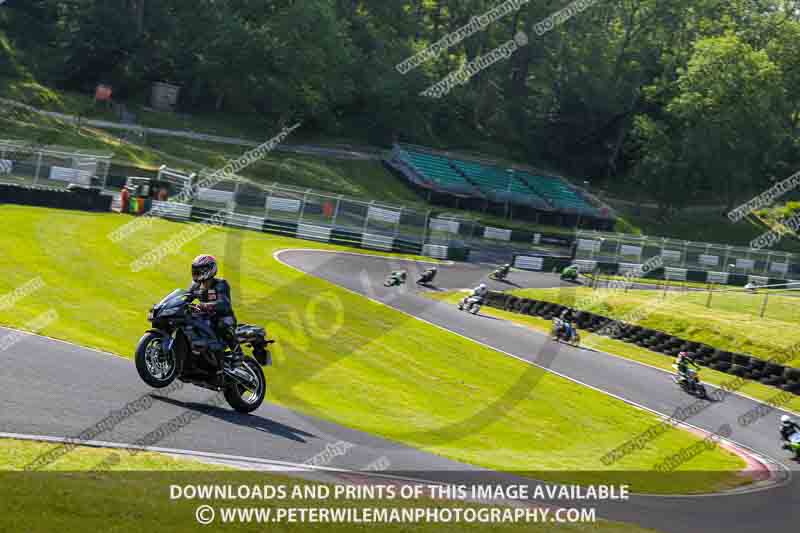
x=70 y=175
x=529 y=263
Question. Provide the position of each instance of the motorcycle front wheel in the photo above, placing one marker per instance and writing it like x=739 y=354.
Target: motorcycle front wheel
x=243 y=399
x=156 y=368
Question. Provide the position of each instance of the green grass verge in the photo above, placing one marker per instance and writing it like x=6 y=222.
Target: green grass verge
x=382 y=372
x=72 y=498
x=695 y=225
x=630 y=351
x=732 y=322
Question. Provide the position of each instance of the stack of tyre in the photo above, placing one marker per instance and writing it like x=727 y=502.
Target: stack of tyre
x=741 y=365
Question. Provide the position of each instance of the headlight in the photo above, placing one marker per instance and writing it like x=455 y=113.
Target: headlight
x=150 y=315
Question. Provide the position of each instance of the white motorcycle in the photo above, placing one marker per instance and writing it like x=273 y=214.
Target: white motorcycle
x=470 y=304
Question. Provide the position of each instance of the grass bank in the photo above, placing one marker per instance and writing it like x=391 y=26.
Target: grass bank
x=340 y=356
x=732 y=322
x=135 y=496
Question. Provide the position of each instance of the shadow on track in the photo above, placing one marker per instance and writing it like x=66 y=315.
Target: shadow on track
x=247 y=420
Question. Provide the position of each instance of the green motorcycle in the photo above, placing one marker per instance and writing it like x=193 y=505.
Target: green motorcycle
x=569 y=274
x=794 y=444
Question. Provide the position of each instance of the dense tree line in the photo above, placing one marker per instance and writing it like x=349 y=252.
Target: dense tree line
x=678 y=99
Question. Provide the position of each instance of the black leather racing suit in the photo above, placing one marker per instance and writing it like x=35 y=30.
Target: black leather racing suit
x=787 y=430
x=217 y=302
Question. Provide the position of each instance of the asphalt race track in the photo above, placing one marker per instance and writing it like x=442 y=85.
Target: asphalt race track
x=51 y=388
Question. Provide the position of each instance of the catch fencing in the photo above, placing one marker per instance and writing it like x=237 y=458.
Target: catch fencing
x=24 y=163
x=717 y=260
x=302 y=213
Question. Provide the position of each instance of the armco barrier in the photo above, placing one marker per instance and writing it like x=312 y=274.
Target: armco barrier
x=543 y=263
x=445 y=252
x=742 y=365
x=171 y=210
x=305 y=231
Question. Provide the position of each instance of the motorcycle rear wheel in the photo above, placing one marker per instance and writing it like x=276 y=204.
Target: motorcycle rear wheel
x=701 y=392
x=155 y=368
x=245 y=400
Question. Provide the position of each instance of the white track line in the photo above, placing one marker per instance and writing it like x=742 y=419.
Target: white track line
x=763 y=458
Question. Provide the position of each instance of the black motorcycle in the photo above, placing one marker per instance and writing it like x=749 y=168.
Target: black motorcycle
x=499 y=275
x=564 y=331
x=690 y=383
x=394 y=280
x=182 y=344
x=426 y=277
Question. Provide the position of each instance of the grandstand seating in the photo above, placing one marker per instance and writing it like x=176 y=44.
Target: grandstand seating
x=500 y=184
x=496 y=183
x=561 y=196
x=438 y=170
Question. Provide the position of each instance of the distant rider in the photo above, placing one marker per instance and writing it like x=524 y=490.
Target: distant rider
x=788 y=427
x=567 y=316
x=503 y=271
x=479 y=292
x=570 y=271
x=399 y=276
x=214 y=295
x=429 y=273
x=682 y=363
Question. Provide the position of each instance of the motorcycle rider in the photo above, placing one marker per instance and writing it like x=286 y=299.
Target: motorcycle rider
x=566 y=317
x=428 y=274
x=214 y=295
x=682 y=364
x=788 y=427
x=399 y=276
x=479 y=292
x=570 y=271
x=503 y=271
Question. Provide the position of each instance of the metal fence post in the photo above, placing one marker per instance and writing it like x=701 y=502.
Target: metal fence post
x=685 y=262
x=38 y=166
x=105 y=174
x=366 y=218
x=303 y=207
x=397 y=224
x=426 y=229
x=336 y=211
x=764 y=305
x=235 y=194
x=267 y=198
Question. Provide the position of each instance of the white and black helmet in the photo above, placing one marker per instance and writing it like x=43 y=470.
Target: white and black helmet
x=786 y=419
x=204 y=267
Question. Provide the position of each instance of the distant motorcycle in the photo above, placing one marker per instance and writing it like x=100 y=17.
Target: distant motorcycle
x=182 y=345
x=794 y=444
x=569 y=274
x=691 y=383
x=470 y=304
x=394 y=279
x=426 y=277
x=563 y=331
x=500 y=274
